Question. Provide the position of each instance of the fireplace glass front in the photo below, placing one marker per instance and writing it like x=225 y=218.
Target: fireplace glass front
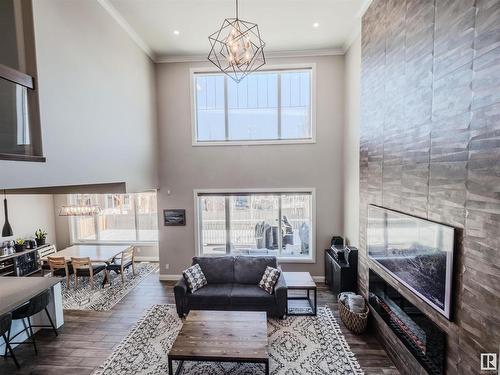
x=423 y=338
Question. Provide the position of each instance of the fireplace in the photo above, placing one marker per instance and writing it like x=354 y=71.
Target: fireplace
x=421 y=336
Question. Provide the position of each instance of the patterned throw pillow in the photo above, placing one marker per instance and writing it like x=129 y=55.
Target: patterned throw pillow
x=194 y=278
x=269 y=279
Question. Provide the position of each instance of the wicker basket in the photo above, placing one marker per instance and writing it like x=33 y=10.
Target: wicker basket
x=355 y=322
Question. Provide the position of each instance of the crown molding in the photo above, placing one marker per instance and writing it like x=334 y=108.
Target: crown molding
x=364 y=7
x=352 y=37
x=115 y=14
x=357 y=29
x=269 y=55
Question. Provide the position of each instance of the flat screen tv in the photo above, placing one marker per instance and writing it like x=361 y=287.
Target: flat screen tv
x=417 y=252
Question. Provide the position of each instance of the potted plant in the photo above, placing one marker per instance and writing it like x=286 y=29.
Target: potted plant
x=40 y=236
x=19 y=245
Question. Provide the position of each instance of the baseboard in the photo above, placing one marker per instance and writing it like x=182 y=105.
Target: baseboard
x=147 y=259
x=318 y=279
x=169 y=277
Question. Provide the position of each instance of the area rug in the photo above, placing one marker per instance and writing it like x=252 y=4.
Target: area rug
x=99 y=298
x=298 y=345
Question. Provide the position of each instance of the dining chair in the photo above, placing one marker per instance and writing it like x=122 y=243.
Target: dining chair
x=5 y=323
x=126 y=260
x=84 y=267
x=59 y=267
x=42 y=253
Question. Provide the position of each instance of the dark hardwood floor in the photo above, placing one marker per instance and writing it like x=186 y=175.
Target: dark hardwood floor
x=88 y=337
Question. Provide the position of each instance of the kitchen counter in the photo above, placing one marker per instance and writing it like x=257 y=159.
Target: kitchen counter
x=14 y=291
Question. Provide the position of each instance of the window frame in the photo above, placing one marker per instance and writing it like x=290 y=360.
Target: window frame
x=74 y=237
x=269 y=68
x=34 y=151
x=197 y=216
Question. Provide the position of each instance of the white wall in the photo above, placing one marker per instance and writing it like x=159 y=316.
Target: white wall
x=27 y=213
x=184 y=167
x=97 y=99
x=351 y=142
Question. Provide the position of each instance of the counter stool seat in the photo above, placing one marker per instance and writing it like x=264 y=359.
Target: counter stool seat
x=26 y=311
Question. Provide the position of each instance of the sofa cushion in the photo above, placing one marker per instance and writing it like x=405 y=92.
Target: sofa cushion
x=249 y=270
x=194 y=277
x=217 y=270
x=211 y=294
x=250 y=295
x=269 y=279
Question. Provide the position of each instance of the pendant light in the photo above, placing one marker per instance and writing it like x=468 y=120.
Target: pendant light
x=7 y=229
x=80 y=210
x=237 y=48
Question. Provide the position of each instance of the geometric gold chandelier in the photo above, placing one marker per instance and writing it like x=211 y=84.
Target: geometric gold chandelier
x=237 y=48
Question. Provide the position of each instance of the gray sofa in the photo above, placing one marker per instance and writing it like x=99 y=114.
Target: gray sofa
x=233 y=284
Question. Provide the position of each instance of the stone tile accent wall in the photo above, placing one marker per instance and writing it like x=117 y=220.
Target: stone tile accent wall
x=430 y=147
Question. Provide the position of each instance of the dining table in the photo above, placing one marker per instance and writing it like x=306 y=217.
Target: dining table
x=97 y=254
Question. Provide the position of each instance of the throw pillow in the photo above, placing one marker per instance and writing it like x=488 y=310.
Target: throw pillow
x=194 y=278
x=269 y=279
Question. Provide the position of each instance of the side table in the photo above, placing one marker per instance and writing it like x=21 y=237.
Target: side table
x=302 y=281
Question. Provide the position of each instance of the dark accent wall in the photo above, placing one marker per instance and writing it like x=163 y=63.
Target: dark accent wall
x=430 y=147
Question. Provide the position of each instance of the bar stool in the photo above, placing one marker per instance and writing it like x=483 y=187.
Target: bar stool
x=5 y=322
x=34 y=306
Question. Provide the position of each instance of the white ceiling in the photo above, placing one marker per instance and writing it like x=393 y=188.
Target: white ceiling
x=285 y=25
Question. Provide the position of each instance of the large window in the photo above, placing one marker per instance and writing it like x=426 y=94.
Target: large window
x=124 y=218
x=20 y=135
x=267 y=106
x=256 y=223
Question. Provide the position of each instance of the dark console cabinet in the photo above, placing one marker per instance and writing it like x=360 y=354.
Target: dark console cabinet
x=24 y=263
x=341 y=269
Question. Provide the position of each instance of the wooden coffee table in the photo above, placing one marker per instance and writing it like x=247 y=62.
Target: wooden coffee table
x=302 y=281
x=221 y=336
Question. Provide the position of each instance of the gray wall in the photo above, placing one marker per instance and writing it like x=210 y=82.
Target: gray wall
x=184 y=167
x=351 y=142
x=97 y=102
x=430 y=147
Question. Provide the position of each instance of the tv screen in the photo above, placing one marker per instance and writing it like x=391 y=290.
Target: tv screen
x=417 y=252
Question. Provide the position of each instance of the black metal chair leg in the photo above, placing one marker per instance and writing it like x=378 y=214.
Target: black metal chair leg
x=6 y=341
x=24 y=330
x=7 y=346
x=32 y=336
x=51 y=322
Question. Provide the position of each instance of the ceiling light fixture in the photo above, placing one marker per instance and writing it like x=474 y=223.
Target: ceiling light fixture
x=77 y=210
x=237 y=48
x=316 y=25
x=176 y=32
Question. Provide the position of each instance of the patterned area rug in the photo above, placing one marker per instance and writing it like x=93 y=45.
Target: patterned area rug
x=298 y=345
x=99 y=298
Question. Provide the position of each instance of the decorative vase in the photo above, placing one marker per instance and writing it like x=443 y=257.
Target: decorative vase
x=40 y=242
x=19 y=247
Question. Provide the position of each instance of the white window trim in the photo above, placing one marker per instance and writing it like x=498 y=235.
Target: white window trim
x=195 y=142
x=312 y=191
